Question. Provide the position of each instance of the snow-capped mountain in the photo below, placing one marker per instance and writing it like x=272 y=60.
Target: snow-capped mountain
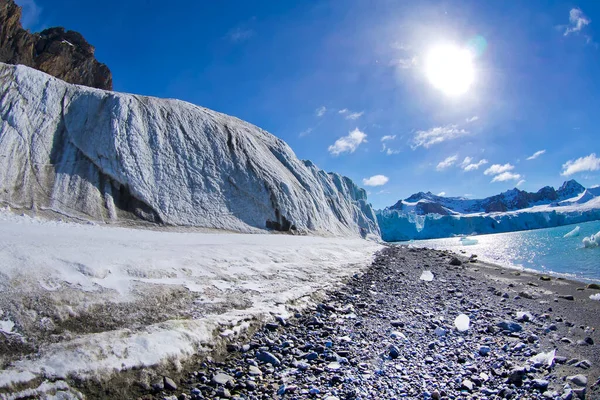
x=103 y=155
x=427 y=216
x=514 y=199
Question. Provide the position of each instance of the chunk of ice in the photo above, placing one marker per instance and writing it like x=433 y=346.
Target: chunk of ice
x=592 y=241
x=426 y=276
x=544 y=358
x=595 y=296
x=573 y=233
x=462 y=323
x=6 y=326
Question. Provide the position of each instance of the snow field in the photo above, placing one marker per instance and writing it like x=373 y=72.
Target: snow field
x=97 y=300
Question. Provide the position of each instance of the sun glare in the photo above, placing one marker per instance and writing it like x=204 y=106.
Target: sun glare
x=450 y=69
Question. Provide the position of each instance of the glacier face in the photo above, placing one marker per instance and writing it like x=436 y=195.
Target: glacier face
x=396 y=225
x=427 y=216
x=106 y=156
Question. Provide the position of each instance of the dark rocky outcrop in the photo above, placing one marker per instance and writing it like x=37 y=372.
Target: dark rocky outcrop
x=55 y=51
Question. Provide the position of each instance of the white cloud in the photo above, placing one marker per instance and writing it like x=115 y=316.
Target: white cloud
x=343 y=111
x=498 y=169
x=577 y=21
x=474 y=166
x=447 y=163
x=319 y=112
x=376 y=180
x=506 y=176
x=240 y=34
x=355 y=115
x=536 y=154
x=466 y=162
x=522 y=181
x=305 y=132
x=589 y=163
x=348 y=143
x=472 y=119
x=30 y=15
x=384 y=147
x=437 y=135
x=441 y=194
x=405 y=63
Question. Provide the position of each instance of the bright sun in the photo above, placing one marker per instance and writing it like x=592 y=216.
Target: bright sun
x=450 y=69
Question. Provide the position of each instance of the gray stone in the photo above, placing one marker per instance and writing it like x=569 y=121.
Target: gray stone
x=540 y=384
x=394 y=352
x=169 y=383
x=584 y=364
x=467 y=384
x=268 y=358
x=484 y=350
x=254 y=371
x=510 y=326
x=222 y=379
x=223 y=392
x=579 y=380
x=567 y=297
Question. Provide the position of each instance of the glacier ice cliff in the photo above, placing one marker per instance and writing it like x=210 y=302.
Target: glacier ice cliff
x=108 y=156
x=399 y=226
x=427 y=216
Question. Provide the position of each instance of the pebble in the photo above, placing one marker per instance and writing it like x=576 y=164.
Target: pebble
x=579 y=380
x=510 y=326
x=268 y=358
x=169 y=384
x=222 y=379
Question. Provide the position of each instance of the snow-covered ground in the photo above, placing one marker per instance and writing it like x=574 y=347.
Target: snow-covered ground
x=88 y=300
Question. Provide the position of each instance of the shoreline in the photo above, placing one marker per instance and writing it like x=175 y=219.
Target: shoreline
x=341 y=347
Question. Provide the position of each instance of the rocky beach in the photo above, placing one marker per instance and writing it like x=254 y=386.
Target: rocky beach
x=390 y=333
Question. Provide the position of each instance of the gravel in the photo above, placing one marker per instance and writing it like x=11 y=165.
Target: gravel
x=387 y=334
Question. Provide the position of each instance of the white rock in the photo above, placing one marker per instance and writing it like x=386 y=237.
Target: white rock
x=462 y=323
x=6 y=326
x=544 y=358
x=426 y=276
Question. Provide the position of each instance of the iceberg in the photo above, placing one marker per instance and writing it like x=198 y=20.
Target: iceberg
x=592 y=241
x=466 y=241
x=573 y=233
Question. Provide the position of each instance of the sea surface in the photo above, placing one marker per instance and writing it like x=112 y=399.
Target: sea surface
x=542 y=250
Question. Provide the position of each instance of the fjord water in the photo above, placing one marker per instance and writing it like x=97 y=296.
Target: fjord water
x=544 y=250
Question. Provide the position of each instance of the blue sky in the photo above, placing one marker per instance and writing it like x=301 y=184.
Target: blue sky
x=345 y=82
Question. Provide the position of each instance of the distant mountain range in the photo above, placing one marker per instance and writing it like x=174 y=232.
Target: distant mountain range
x=427 y=216
x=427 y=203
